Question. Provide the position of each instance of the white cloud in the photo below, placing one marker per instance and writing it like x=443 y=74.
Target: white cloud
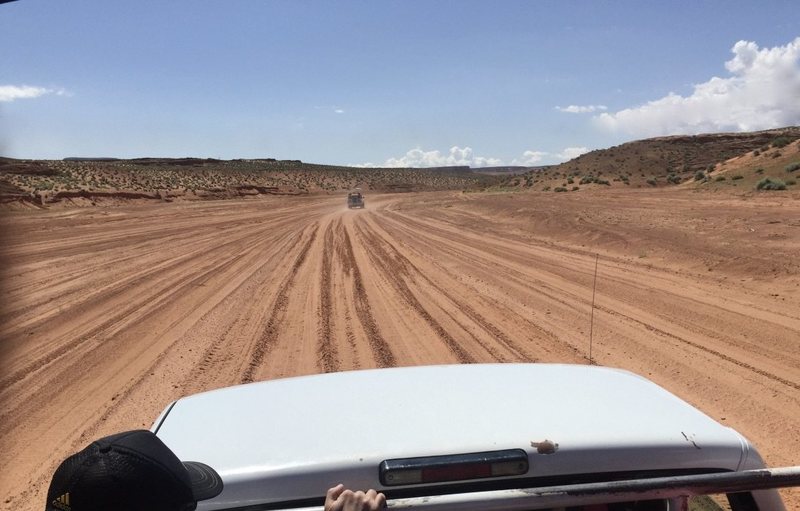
x=338 y=110
x=456 y=156
x=762 y=92
x=10 y=93
x=529 y=158
x=571 y=152
x=578 y=109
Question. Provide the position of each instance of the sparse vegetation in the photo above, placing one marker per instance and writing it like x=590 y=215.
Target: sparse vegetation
x=737 y=177
x=720 y=178
x=792 y=166
x=769 y=183
x=699 y=176
x=652 y=182
x=781 y=142
x=560 y=189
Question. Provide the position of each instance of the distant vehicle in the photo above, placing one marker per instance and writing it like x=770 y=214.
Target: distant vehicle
x=468 y=437
x=355 y=199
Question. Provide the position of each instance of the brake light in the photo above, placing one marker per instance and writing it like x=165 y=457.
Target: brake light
x=453 y=467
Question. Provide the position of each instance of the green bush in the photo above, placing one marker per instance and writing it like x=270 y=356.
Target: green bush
x=560 y=189
x=674 y=179
x=759 y=171
x=771 y=184
x=576 y=188
x=651 y=182
x=601 y=181
x=756 y=152
x=570 y=181
x=585 y=180
x=791 y=182
x=781 y=142
x=737 y=177
x=699 y=175
x=720 y=178
x=792 y=166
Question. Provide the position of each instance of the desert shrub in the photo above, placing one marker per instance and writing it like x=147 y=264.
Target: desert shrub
x=674 y=179
x=546 y=189
x=560 y=189
x=720 y=178
x=576 y=188
x=791 y=182
x=759 y=171
x=771 y=184
x=585 y=180
x=781 y=142
x=756 y=152
x=651 y=182
x=776 y=154
x=710 y=168
x=737 y=177
x=570 y=181
x=792 y=166
x=699 y=175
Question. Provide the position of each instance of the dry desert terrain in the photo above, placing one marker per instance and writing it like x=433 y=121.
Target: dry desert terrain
x=110 y=313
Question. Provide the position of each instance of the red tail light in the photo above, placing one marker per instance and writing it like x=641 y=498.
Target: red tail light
x=453 y=467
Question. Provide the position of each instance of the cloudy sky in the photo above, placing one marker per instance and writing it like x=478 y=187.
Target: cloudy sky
x=394 y=83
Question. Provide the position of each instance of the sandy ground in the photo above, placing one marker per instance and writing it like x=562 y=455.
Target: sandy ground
x=111 y=313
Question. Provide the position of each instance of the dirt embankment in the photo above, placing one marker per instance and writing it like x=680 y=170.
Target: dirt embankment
x=111 y=313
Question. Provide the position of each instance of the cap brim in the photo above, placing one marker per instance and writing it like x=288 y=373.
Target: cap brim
x=206 y=483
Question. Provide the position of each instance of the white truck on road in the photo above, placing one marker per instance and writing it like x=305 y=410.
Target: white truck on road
x=468 y=437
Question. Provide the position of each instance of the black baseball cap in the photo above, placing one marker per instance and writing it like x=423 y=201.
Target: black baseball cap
x=130 y=471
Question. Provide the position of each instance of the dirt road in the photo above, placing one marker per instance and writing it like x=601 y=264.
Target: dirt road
x=111 y=313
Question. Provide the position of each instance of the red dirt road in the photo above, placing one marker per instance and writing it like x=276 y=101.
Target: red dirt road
x=111 y=313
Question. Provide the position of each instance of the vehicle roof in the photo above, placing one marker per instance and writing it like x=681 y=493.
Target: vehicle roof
x=293 y=438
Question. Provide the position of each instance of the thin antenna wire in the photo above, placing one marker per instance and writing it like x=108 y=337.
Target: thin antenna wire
x=591 y=323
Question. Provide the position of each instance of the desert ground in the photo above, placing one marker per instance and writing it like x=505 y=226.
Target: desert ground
x=111 y=312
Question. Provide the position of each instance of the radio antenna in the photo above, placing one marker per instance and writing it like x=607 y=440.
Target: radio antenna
x=591 y=321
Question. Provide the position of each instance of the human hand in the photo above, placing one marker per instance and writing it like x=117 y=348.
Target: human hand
x=340 y=499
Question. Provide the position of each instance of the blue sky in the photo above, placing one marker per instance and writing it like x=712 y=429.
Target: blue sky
x=387 y=83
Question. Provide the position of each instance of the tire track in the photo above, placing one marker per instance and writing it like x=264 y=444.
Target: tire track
x=727 y=358
x=474 y=315
x=635 y=293
x=271 y=330
x=328 y=356
x=379 y=257
x=209 y=359
x=381 y=351
x=117 y=290
x=154 y=306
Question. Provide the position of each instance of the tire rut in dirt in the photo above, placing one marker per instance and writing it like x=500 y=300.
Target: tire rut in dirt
x=727 y=358
x=394 y=271
x=269 y=336
x=155 y=303
x=473 y=314
x=381 y=351
x=142 y=306
x=328 y=361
